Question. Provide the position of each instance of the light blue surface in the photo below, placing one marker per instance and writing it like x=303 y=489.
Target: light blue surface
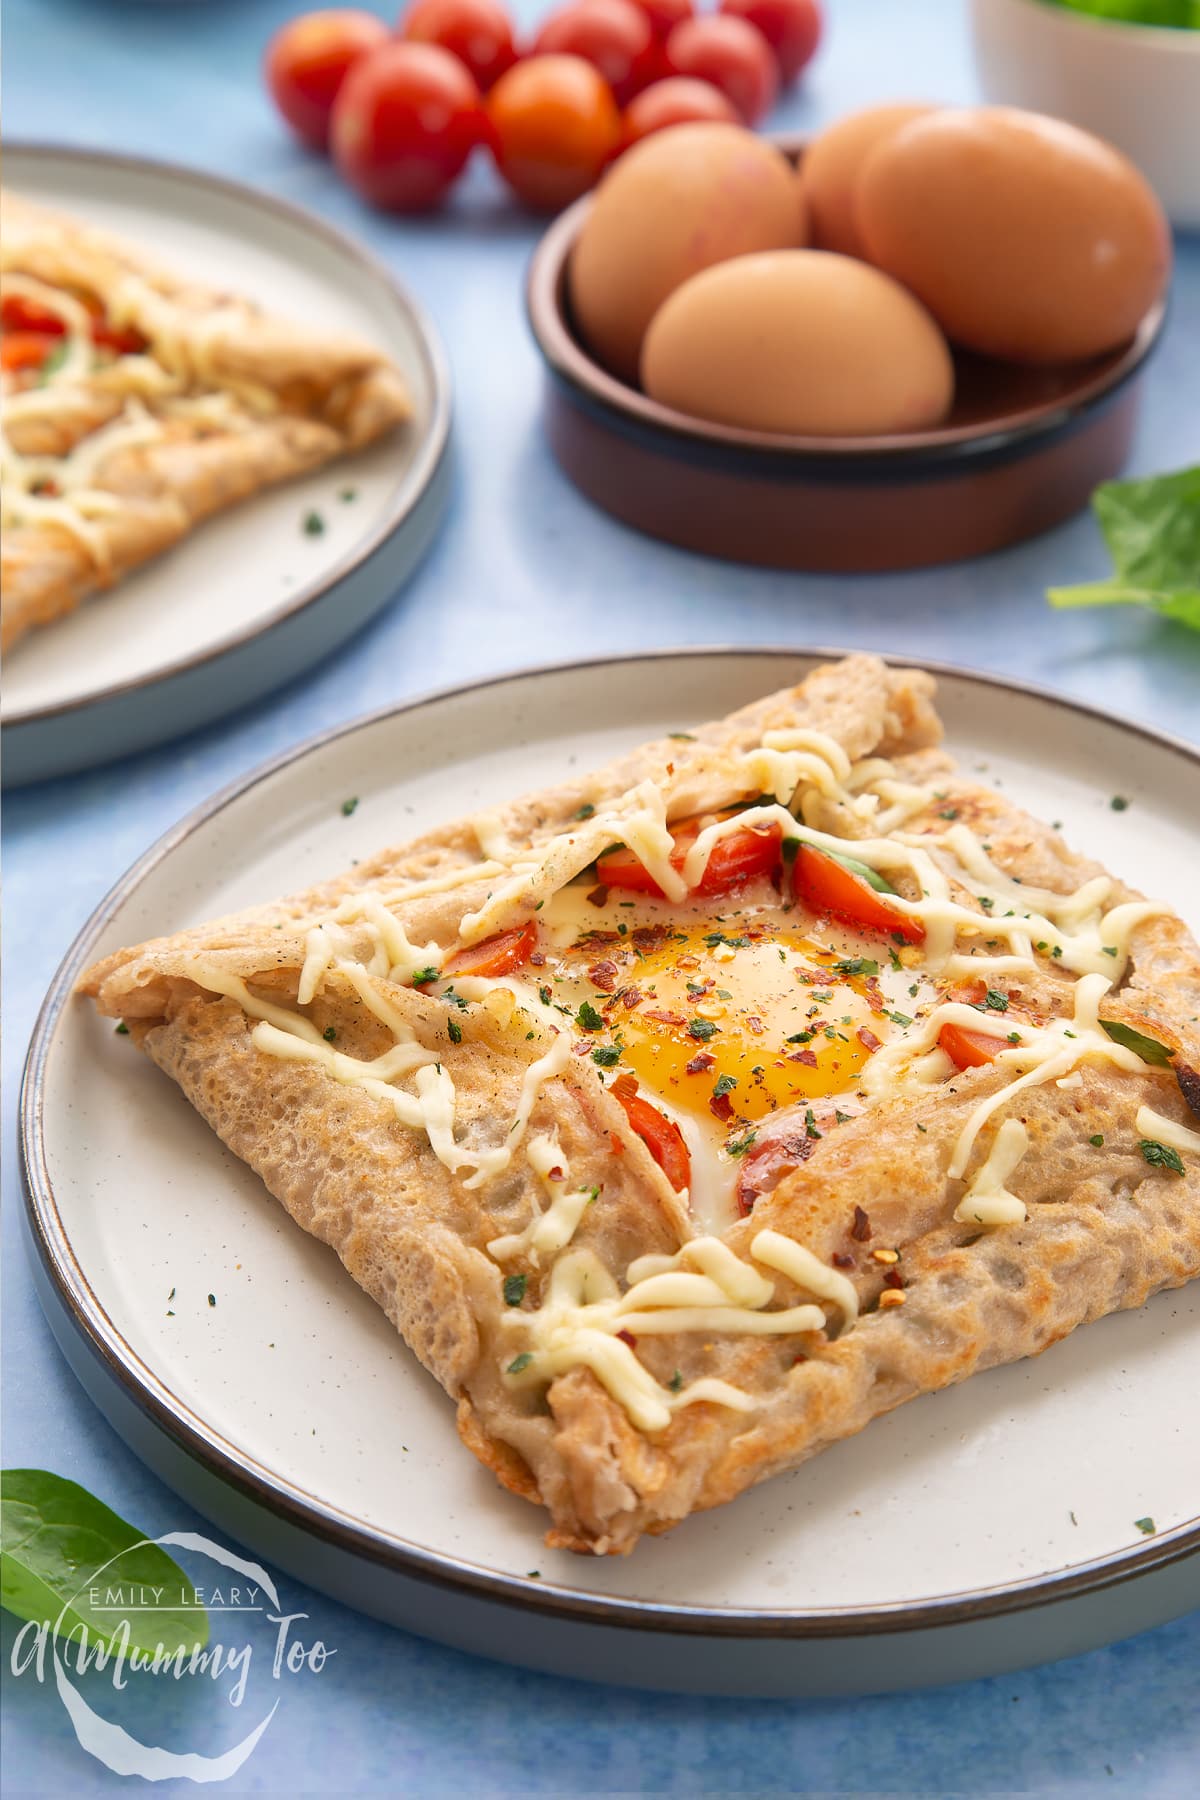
x=526 y=571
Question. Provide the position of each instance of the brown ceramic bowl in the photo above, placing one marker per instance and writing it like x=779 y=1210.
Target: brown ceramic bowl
x=1022 y=450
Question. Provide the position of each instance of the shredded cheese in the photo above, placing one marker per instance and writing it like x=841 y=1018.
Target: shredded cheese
x=987 y=1201
x=1157 y=1127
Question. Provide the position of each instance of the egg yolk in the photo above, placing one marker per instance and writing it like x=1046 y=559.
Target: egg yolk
x=728 y=1022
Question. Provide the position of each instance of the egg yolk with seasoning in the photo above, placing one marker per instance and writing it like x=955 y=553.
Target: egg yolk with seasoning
x=727 y=1022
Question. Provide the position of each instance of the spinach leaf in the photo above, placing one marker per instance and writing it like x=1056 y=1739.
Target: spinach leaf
x=872 y=877
x=1152 y=528
x=1184 y=15
x=1148 y=1048
x=58 y=1543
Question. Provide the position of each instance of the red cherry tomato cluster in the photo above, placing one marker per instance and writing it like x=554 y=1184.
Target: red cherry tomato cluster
x=402 y=111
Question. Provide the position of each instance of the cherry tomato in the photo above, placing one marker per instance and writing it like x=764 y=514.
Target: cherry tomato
x=555 y=125
x=828 y=886
x=25 y=349
x=613 y=35
x=478 y=32
x=791 y=27
x=19 y=314
x=676 y=101
x=732 y=55
x=969 y=1049
x=661 y=1136
x=308 y=60
x=734 y=859
x=404 y=125
x=665 y=15
x=498 y=955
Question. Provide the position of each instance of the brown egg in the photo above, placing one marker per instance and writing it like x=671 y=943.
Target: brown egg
x=830 y=170
x=676 y=203
x=799 y=341
x=1026 y=238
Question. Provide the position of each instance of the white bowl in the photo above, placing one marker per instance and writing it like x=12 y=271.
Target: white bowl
x=1136 y=85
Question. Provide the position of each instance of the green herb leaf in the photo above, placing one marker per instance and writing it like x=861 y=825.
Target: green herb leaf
x=122 y=1029
x=682 y=737
x=57 y=1537
x=519 y=1362
x=585 y=811
x=702 y=1030
x=872 y=877
x=514 y=1289
x=588 y=1019
x=996 y=999
x=739 y=1146
x=1152 y=529
x=421 y=976
x=454 y=1031
x=1148 y=1048
x=1178 y=13
x=1161 y=1156
x=607 y=1056
x=1097 y=1140
x=856 y=965
x=349 y=806
x=676 y=1382
x=329 y=1033
x=1146 y=1526
x=810 y=1124
x=725 y=1084
x=314 y=524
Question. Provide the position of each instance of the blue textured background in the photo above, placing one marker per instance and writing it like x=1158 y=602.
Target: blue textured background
x=526 y=571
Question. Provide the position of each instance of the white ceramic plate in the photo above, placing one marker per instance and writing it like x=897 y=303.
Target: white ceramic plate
x=249 y=599
x=981 y=1528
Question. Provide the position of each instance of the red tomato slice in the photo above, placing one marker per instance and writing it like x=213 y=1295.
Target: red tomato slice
x=19 y=314
x=969 y=1049
x=736 y=858
x=498 y=955
x=828 y=886
x=124 y=339
x=661 y=1136
x=25 y=349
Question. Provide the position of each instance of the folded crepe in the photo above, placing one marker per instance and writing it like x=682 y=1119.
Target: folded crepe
x=687 y=1116
x=136 y=404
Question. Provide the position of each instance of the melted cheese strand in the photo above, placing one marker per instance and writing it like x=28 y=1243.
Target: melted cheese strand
x=1156 y=1126
x=549 y=1232
x=987 y=1201
x=582 y=1310
x=806 y=1270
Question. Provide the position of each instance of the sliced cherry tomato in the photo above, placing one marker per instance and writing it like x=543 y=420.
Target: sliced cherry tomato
x=21 y=314
x=665 y=15
x=732 y=55
x=828 y=886
x=126 y=340
x=677 y=101
x=791 y=27
x=736 y=858
x=498 y=955
x=661 y=1136
x=25 y=350
x=404 y=124
x=308 y=60
x=478 y=32
x=613 y=35
x=555 y=125
x=969 y=1049
x=17 y=313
